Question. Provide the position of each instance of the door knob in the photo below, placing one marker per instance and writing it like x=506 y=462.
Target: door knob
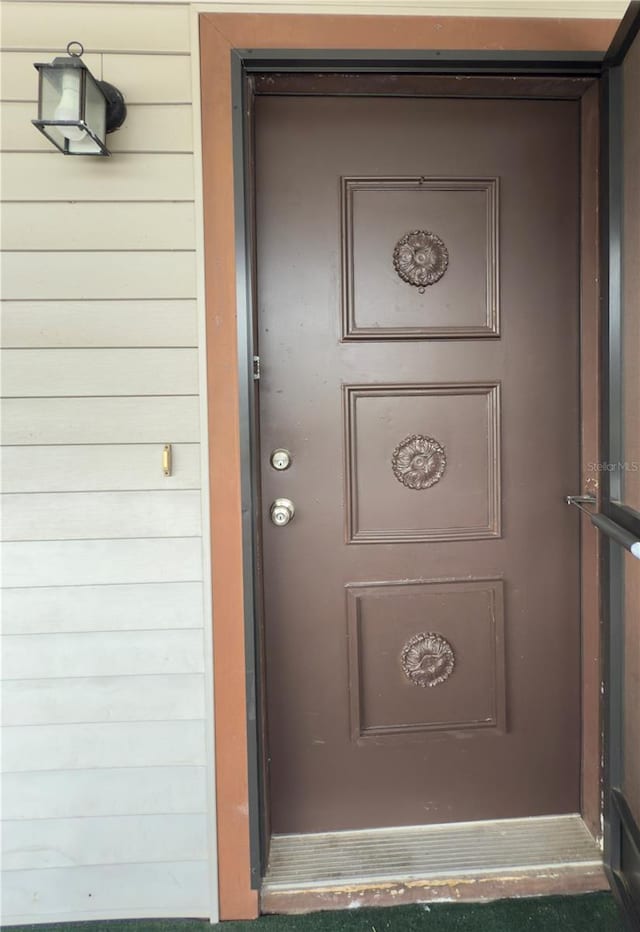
x=282 y=511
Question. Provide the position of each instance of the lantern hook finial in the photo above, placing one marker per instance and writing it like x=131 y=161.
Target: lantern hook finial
x=74 y=44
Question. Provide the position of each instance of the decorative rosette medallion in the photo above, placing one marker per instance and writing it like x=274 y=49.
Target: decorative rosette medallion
x=427 y=659
x=419 y=462
x=420 y=258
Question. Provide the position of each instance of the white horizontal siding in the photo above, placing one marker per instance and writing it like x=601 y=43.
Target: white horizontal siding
x=150 y=79
x=51 y=843
x=100 y=420
x=102 y=744
x=91 y=323
x=88 y=698
x=103 y=653
x=142 y=78
x=595 y=9
x=147 y=128
x=100 y=562
x=19 y=77
x=58 y=608
x=47 y=176
x=109 y=891
x=47 y=25
x=107 y=783
x=100 y=226
x=58 y=516
x=93 y=515
x=98 y=468
x=38 y=275
x=77 y=794
x=72 y=372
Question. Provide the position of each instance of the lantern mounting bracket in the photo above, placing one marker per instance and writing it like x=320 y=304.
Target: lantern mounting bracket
x=116 y=107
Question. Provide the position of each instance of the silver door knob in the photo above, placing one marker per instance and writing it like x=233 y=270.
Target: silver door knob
x=282 y=511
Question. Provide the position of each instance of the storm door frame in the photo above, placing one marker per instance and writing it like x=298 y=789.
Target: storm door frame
x=621 y=830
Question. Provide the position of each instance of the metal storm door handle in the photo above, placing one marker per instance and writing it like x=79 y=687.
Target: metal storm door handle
x=620 y=534
x=282 y=512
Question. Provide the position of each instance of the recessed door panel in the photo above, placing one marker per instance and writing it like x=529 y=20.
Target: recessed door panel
x=440 y=441
x=405 y=638
x=422 y=652
x=391 y=260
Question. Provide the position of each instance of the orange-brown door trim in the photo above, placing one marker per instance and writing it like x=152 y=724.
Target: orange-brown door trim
x=220 y=35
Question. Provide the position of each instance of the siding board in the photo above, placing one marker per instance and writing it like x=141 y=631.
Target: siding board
x=20 y=79
x=73 y=794
x=58 y=373
x=174 y=889
x=113 y=744
x=161 y=28
x=105 y=698
x=101 y=562
x=99 y=468
x=68 y=227
x=154 y=606
x=52 y=843
x=56 y=275
x=147 y=128
x=59 y=516
x=100 y=420
x=46 y=176
x=150 y=79
x=143 y=78
x=66 y=324
x=103 y=653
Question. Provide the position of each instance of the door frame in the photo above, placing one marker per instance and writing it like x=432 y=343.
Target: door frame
x=232 y=48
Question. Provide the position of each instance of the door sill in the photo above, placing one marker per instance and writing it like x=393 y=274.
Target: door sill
x=421 y=864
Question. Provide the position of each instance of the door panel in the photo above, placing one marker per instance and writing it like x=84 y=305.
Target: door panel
x=469 y=614
x=422 y=607
x=464 y=417
x=465 y=213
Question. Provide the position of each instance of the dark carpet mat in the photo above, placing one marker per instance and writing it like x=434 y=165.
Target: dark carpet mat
x=595 y=912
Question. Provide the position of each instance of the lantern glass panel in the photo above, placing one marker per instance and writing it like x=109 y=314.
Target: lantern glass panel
x=61 y=102
x=69 y=103
x=50 y=92
x=55 y=135
x=95 y=116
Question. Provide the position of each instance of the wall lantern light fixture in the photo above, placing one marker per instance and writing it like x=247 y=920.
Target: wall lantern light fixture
x=75 y=111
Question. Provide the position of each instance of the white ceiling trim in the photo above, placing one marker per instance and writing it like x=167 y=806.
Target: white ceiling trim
x=575 y=9
x=553 y=9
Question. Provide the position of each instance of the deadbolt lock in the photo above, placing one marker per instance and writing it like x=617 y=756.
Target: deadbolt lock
x=282 y=511
x=281 y=459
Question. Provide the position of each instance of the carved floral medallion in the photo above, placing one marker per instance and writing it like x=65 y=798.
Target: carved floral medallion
x=420 y=258
x=427 y=659
x=418 y=462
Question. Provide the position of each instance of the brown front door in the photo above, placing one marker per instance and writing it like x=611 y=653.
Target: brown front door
x=418 y=328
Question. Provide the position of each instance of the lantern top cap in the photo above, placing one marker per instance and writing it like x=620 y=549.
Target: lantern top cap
x=75 y=51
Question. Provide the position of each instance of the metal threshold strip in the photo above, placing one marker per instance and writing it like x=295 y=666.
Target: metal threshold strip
x=410 y=854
